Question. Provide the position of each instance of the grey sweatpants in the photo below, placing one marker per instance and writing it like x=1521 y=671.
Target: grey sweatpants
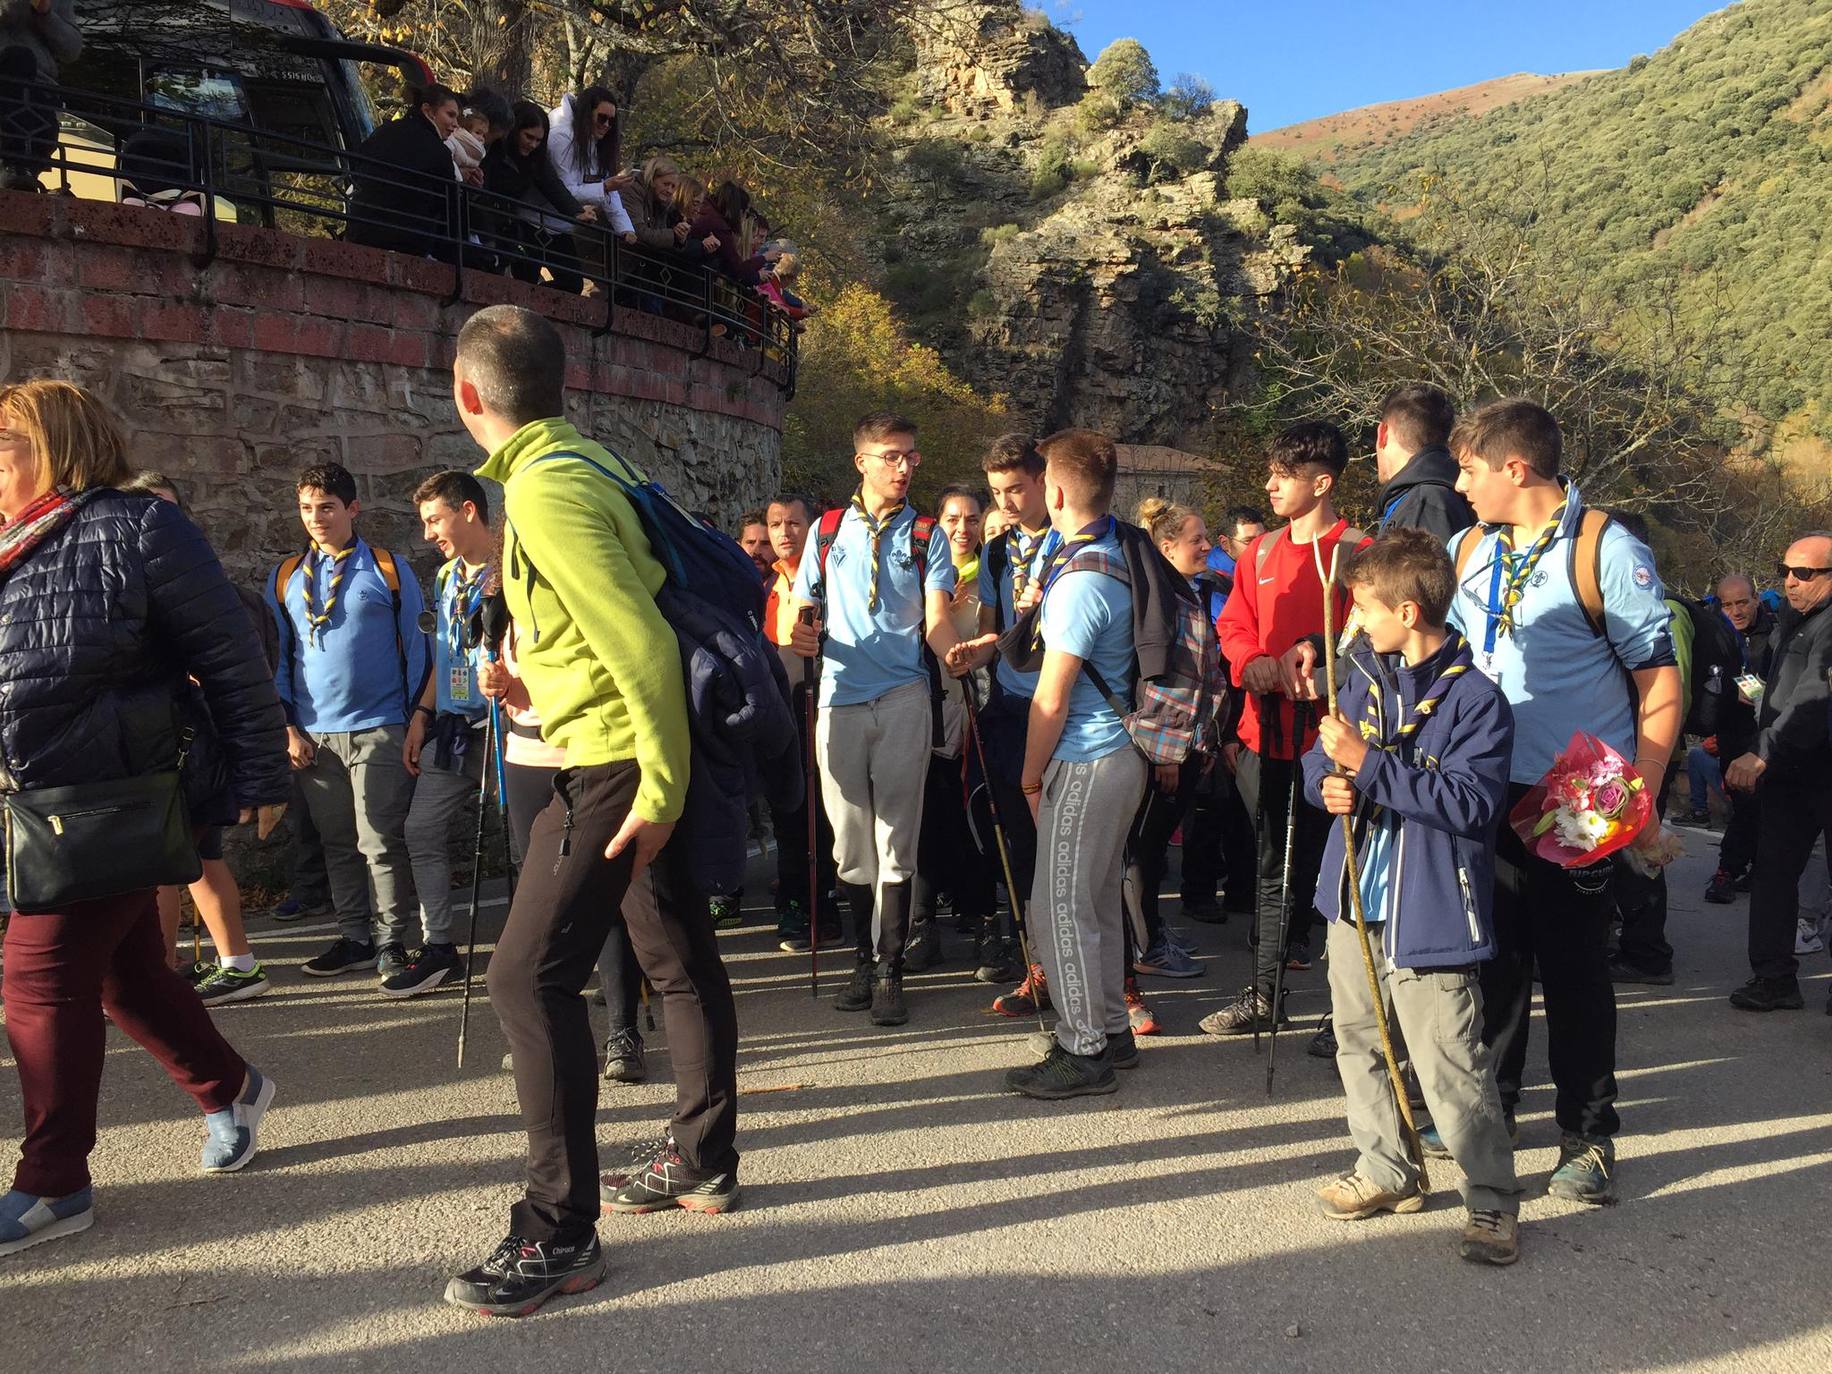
x=1083 y=817
x=440 y=797
x=1439 y=1015
x=358 y=790
x=874 y=759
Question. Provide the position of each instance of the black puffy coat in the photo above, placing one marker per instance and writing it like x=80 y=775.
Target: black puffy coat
x=100 y=627
x=410 y=202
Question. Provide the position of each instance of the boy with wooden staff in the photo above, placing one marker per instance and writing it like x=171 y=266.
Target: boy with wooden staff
x=1414 y=758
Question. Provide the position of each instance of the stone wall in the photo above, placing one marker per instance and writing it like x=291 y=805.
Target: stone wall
x=283 y=351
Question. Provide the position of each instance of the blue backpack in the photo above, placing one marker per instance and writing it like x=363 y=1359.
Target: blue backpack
x=743 y=731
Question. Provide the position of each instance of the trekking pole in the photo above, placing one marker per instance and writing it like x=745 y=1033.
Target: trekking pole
x=810 y=678
x=499 y=763
x=470 y=952
x=1353 y=873
x=968 y=694
x=1291 y=837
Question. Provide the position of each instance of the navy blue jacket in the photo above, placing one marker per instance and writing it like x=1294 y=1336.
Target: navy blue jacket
x=100 y=627
x=1446 y=803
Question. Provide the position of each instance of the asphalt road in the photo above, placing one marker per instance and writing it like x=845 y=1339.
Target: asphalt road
x=902 y=1212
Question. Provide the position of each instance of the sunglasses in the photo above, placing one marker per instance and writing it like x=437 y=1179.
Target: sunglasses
x=1785 y=570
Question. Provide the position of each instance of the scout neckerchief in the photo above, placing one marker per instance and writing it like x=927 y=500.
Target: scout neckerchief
x=1513 y=572
x=1457 y=660
x=316 y=621
x=466 y=595
x=1020 y=550
x=1059 y=560
x=875 y=528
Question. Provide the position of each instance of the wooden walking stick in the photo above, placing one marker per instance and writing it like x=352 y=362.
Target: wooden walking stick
x=1353 y=869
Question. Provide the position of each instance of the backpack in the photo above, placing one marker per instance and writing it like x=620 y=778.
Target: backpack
x=391 y=577
x=1717 y=654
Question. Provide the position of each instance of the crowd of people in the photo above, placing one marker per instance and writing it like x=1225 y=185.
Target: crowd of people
x=1000 y=716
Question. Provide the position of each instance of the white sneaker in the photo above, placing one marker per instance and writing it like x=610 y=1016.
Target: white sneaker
x=1806 y=937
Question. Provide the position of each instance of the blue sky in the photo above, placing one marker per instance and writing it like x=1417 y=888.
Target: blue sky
x=1289 y=60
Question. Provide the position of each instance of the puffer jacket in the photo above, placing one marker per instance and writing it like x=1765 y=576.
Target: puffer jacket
x=1446 y=803
x=99 y=629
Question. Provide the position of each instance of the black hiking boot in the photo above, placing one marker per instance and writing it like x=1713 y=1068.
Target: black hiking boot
x=856 y=996
x=887 y=1008
x=520 y=1275
x=1061 y=1074
x=1768 y=994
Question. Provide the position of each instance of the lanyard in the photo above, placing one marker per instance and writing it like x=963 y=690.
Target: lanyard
x=1494 y=598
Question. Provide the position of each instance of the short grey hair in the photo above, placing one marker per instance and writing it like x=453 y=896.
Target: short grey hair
x=1743 y=577
x=517 y=361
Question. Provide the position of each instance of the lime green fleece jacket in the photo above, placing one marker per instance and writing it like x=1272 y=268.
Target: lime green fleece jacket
x=599 y=662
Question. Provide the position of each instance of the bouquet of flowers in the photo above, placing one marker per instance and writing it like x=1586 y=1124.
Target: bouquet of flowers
x=1589 y=805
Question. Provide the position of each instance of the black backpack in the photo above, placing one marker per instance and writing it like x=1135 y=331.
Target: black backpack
x=1717 y=658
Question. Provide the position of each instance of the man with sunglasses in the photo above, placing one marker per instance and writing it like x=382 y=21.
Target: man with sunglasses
x=1790 y=766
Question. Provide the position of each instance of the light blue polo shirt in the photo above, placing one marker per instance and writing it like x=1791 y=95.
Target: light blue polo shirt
x=1089 y=614
x=454 y=658
x=1558 y=674
x=869 y=653
x=1011 y=679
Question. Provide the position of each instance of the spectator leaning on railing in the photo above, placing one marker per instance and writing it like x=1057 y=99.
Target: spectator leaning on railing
x=35 y=37
x=585 y=144
x=536 y=228
x=411 y=213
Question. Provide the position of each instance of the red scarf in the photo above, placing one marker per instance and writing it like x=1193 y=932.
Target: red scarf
x=37 y=523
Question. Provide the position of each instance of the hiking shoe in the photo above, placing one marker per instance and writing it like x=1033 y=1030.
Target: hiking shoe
x=623 y=1061
x=429 y=970
x=856 y=996
x=1323 y=1044
x=232 y=1135
x=195 y=972
x=1139 y=1017
x=1061 y=1074
x=792 y=929
x=26 y=1219
x=666 y=1181
x=341 y=957
x=390 y=962
x=1354 y=1198
x=223 y=985
x=725 y=913
x=997 y=960
x=887 y=1008
x=1621 y=971
x=922 y=950
x=1806 y=937
x=1721 y=890
x=1028 y=998
x=1768 y=994
x=1701 y=819
x=1206 y=910
x=1249 y=1012
x=1434 y=1147
x=1123 y=1050
x=1165 y=960
x=1297 y=958
x=1490 y=1238
x=636 y=1158
x=294 y=910
x=520 y=1275
x=1586 y=1170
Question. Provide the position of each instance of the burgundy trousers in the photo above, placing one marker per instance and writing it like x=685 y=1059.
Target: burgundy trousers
x=62 y=971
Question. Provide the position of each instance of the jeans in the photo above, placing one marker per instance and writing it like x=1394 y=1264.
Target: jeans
x=358 y=790
x=1703 y=775
x=1265 y=787
x=1795 y=813
x=568 y=898
x=440 y=797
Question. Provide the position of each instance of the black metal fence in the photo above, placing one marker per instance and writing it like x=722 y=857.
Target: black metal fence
x=98 y=147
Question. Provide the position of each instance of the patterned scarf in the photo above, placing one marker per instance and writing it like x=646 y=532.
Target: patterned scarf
x=875 y=528
x=37 y=523
x=1374 y=727
x=1520 y=570
x=316 y=621
x=1020 y=549
x=1059 y=560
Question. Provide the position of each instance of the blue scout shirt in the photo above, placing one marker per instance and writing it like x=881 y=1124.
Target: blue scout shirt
x=367 y=665
x=1555 y=671
x=459 y=593
x=1089 y=614
x=1011 y=679
x=869 y=653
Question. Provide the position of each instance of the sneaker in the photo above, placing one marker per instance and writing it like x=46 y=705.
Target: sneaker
x=922 y=951
x=799 y=942
x=636 y=1159
x=1433 y=1144
x=1721 y=890
x=429 y=970
x=1123 y=1050
x=1206 y=910
x=27 y=1219
x=1490 y=1238
x=1297 y=958
x=341 y=957
x=1028 y=998
x=1176 y=939
x=792 y=929
x=1138 y=1015
x=1323 y=1044
x=1354 y=1198
x=1249 y=1012
x=1621 y=971
x=232 y=1135
x=1061 y=1074
x=390 y=962
x=997 y=960
x=1701 y=819
x=887 y=1008
x=623 y=1061
x=1768 y=994
x=1586 y=1170
x=666 y=1181
x=857 y=994
x=725 y=912
x=196 y=972
x=294 y=910
x=1806 y=937
x=1744 y=879
x=224 y=985
x=1165 y=960
x=520 y=1275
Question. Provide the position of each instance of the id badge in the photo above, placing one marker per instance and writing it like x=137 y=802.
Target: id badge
x=459 y=684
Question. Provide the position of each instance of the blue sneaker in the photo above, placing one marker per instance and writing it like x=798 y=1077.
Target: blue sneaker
x=1433 y=1143
x=232 y=1135
x=1165 y=960
x=27 y=1219
x=1586 y=1170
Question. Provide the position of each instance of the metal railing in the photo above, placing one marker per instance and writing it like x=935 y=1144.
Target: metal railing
x=99 y=147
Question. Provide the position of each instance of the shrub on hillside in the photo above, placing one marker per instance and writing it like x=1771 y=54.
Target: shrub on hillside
x=1171 y=152
x=1124 y=71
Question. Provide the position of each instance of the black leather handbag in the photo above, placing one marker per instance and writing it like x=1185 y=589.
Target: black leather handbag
x=97 y=839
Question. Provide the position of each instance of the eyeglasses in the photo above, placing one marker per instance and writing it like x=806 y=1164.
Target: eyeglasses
x=895 y=460
x=1785 y=570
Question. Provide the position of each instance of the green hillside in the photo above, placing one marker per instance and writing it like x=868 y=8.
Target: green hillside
x=1702 y=173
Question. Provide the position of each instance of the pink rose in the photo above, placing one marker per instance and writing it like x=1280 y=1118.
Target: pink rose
x=1611 y=799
